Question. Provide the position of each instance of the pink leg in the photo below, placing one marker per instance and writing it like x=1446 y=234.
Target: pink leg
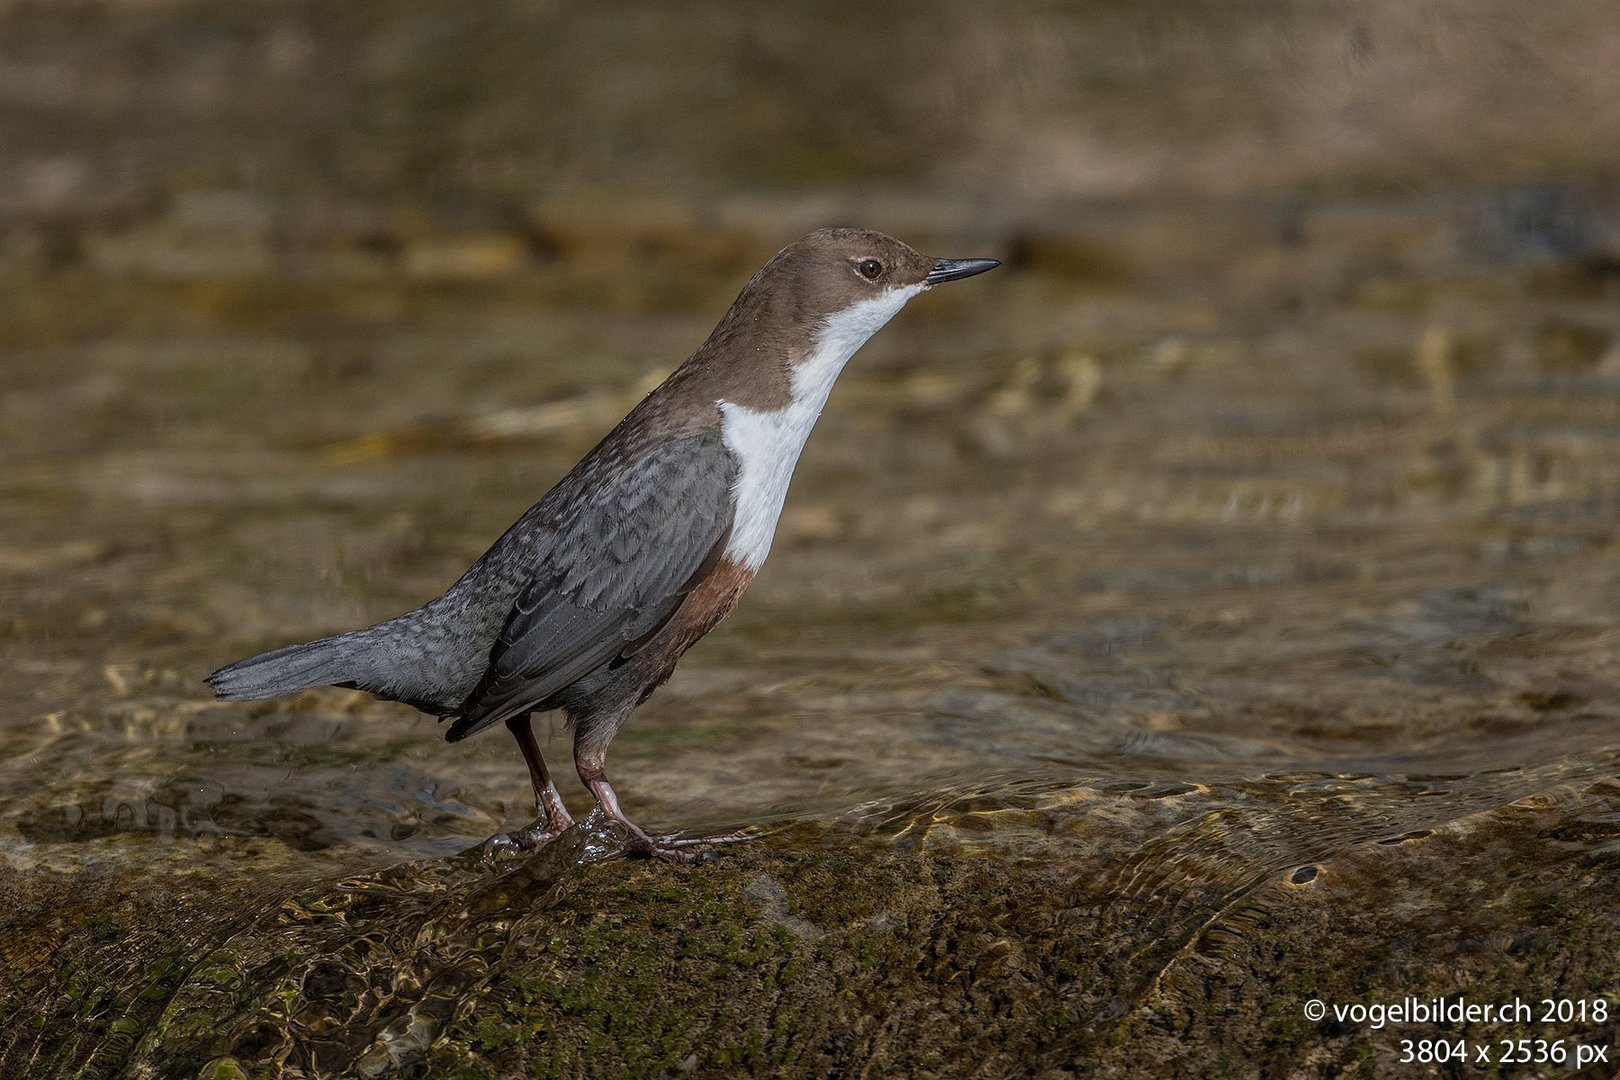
x=553 y=814
x=668 y=848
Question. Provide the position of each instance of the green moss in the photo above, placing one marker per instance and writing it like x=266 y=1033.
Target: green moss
x=102 y=927
x=920 y=960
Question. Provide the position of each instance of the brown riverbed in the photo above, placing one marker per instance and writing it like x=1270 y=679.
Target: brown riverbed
x=1213 y=611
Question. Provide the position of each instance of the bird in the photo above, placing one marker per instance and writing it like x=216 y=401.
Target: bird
x=587 y=602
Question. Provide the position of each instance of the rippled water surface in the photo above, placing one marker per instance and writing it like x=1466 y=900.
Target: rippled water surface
x=1222 y=618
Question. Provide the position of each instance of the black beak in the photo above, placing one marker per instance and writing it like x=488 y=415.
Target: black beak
x=951 y=269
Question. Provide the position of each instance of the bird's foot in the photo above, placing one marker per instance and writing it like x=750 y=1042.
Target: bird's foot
x=676 y=840
x=675 y=848
x=510 y=845
x=635 y=843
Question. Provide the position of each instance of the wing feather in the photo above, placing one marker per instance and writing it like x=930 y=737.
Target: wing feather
x=615 y=567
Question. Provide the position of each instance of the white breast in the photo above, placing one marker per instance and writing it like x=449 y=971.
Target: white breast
x=767 y=442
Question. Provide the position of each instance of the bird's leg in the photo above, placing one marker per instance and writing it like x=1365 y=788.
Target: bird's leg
x=553 y=814
x=594 y=775
x=669 y=848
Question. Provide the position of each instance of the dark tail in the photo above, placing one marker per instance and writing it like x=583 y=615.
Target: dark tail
x=327 y=662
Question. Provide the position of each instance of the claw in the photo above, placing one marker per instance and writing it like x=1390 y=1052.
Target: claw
x=675 y=840
x=679 y=849
x=636 y=842
x=614 y=836
x=671 y=855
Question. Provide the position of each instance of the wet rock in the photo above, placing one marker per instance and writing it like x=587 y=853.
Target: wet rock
x=916 y=960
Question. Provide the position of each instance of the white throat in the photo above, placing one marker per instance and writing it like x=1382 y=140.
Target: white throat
x=767 y=442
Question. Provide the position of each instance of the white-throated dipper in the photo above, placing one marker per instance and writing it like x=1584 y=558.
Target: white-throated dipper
x=589 y=600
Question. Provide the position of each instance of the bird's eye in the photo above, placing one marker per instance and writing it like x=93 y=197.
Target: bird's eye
x=870 y=269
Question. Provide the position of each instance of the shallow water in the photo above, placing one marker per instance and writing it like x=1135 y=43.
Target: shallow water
x=1174 y=588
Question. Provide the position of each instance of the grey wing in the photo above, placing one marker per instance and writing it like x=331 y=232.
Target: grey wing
x=615 y=570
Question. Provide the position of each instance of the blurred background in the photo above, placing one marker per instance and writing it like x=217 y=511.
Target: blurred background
x=1241 y=553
